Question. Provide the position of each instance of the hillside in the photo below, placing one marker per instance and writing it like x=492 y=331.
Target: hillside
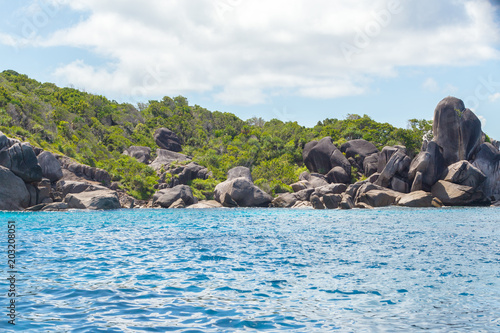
x=95 y=131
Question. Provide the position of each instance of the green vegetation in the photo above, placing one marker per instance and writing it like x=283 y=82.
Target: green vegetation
x=94 y=130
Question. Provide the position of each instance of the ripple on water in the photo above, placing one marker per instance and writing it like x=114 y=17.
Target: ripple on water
x=259 y=269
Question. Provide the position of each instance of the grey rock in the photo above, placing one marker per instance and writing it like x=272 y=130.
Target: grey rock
x=488 y=161
x=332 y=201
x=165 y=198
x=359 y=149
x=398 y=164
x=240 y=172
x=400 y=185
x=451 y=194
x=301 y=185
x=330 y=189
x=55 y=207
x=205 y=204
x=378 y=197
x=284 y=200
x=164 y=158
x=304 y=195
x=179 y=203
x=13 y=192
x=71 y=187
x=321 y=156
x=95 y=200
x=457 y=130
x=346 y=202
x=302 y=205
x=430 y=164
x=370 y=164
x=51 y=167
x=417 y=184
x=314 y=179
x=166 y=139
x=21 y=160
x=464 y=173
x=338 y=175
x=419 y=199
x=316 y=202
x=241 y=192
x=140 y=153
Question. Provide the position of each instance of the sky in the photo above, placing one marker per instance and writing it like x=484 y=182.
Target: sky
x=293 y=60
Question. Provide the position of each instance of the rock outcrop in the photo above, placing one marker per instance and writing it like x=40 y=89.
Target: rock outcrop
x=164 y=158
x=456 y=130
x=22 y=161
x=166 y=139
x=51 y=167
x=488 y=161
x=451 y=194
x=321 y=156
x=166 y=197
x=140 y=153
x=95 y=200
x=13 y=192
x=358 y=150
x=239 y=191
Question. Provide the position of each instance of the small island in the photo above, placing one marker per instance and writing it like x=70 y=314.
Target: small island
x=61 y=148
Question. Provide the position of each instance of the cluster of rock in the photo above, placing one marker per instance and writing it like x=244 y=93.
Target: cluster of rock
x=456 y=168
x=34 y=179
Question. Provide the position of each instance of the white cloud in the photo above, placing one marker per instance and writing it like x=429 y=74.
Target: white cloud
x=494 y=97
x=245 y=51
x=431 y=85
x=482 y=119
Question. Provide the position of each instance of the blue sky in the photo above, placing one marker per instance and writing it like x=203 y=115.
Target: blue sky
x=294 y=60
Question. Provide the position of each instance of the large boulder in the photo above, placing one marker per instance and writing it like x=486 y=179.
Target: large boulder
x=204 y=204
x=430 y=164
x=313 y=180
x=166 y=157
x=95 y=200
x=284 y=200
x=66 y=187
x=338 y=175
x=395 y=172
x=166 y=139
x=378 y=198
x=488 y=161
x=13 y=192
x=21 y=160
x=240 y=191
x=419 y=199
x=76 y=171
x=358 y=149
x=321 y=156
x=140 y=153
x=370 y=164
x=456 y=130
x=239 y=172
x=464 y=173
x=166 y=197
x=385 y=155
x=187 y=173
x=452 y=194
x=51 y=167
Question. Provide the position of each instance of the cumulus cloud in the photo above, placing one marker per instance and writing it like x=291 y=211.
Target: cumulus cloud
x=431 y=85
x=494 y=97
x=244 y=52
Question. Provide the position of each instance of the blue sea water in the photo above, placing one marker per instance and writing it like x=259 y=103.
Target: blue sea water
x=226 y=270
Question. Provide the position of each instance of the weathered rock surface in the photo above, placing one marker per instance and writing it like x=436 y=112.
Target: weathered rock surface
x=304 y=195
x=464 y=173
x=204 y=204
x=165 y=198
x=430 y=164
x=346 y=202
x=338 y=175
x=284 y=200
x=321 y=156
x=457 y=130
x=166 y=157
x=300 y=185
x=166 y=139
x=452 y=194
x=316 y=201
x=302 y=205
x=71 y=187
x=386 y=154
x=330 y=189
x=96 y=200
x=140 y=153
x=240 y=172
x=370 y=164
x=179 y=203
x=332 y=201
x=313 y=179
x=419 y=199
x=13 y=192
x=187 y=173
x=488 y=161
x=242 y=193
x=359 y=149
x=55 y=207
x=51 y=167
x=21 y=160
x=82 y=171
x=395 y=172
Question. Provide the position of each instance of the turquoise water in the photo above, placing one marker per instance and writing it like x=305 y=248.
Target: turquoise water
x=221 y=270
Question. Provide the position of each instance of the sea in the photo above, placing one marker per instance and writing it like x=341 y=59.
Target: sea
x=247 y=270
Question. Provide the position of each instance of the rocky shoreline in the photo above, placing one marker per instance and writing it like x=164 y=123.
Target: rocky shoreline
x=457 y=167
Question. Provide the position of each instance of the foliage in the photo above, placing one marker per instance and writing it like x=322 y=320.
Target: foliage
x=95 y=131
